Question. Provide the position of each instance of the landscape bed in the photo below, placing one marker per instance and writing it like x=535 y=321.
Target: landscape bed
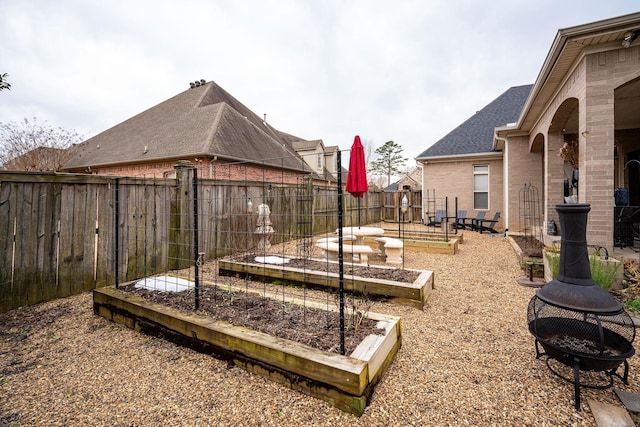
x=321 y=274
x=345 y=381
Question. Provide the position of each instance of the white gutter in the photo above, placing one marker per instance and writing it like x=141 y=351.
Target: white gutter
x=505 y=179
x=459 y=156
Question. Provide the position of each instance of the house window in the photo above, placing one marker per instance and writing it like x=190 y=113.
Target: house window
x=481 y=187
x=319 y=160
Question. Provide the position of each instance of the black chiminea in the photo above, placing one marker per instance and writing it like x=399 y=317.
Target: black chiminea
x=576 y=321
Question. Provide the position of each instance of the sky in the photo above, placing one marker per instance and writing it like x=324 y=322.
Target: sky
x=409 y=71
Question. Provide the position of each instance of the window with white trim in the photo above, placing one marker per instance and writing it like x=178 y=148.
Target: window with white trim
x=481 y=187
x=320 y=160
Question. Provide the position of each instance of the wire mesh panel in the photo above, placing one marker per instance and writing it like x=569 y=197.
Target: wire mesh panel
x=529 y=211
x=174 y=233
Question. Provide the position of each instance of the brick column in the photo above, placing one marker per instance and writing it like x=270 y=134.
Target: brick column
x=596 y=183
x=554 y=185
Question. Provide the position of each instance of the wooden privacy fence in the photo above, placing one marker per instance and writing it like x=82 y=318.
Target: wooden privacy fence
x=393 y=202
x=53 y=236
x=63 y=234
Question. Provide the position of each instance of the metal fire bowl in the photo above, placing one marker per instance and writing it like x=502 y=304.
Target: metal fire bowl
x=550 y=329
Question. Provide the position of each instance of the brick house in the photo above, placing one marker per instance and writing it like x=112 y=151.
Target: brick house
x=585 y=104
x=207 y=126
x=411 y=181
x=465 y=164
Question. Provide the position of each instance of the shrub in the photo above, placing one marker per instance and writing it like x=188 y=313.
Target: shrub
x=604 y=273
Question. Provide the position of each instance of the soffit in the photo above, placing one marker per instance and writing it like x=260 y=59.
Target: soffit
x=568 y=48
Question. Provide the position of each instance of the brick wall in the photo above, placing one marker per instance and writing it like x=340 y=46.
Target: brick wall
x=455 y=179
x=524 y=168
x=208 y=170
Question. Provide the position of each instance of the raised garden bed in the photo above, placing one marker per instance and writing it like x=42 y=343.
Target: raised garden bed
x=413 y=294
x=346 y=382
x=426 y=242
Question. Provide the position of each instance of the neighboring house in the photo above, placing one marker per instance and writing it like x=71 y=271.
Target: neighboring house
x=584 y=104
x=411 y=181
x=320 y=159
x=464 y=163
x=205 y=125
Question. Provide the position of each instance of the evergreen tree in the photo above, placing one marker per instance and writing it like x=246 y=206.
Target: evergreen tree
x=388 y=160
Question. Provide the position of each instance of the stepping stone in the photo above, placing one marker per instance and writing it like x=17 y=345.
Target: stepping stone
x=608 y=415
x=631 y=401
x=535 y=283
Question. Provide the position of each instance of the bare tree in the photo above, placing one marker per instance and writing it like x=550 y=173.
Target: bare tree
x=369 y=151
x=33 y=146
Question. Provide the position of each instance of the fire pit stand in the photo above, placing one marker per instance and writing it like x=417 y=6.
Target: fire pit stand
x=576 y=322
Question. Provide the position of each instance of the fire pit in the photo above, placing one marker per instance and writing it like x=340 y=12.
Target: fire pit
x=575 y=321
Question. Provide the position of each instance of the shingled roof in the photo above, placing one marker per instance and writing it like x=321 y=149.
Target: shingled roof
x=475 y=135
x=201 y=121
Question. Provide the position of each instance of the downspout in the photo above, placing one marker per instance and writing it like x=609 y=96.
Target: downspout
x=505 y=181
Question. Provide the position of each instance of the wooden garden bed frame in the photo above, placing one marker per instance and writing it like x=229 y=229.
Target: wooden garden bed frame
x=412 y=294
x=346 y=382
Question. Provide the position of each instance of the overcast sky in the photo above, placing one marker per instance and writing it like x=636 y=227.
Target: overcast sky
x=407 y=71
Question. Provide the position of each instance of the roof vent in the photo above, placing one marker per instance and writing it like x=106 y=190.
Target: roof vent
x=192 y=85
x=197 y=83
x=202 y=81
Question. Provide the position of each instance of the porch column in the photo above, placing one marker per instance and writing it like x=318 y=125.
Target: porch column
x=596 y=181
x=554 y=184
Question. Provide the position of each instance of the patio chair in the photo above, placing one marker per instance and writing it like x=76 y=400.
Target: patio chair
x=487 y=224
x=436 y=221
x=459 y=221
x=470 y=222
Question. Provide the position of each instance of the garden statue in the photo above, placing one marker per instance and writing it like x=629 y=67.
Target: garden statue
x=264 y=231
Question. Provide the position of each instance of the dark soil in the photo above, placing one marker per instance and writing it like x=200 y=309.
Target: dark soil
x=317 y=328
x=530 y=246
x=394 y=274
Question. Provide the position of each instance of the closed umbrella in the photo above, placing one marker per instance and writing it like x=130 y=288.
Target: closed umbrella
x=357 y=177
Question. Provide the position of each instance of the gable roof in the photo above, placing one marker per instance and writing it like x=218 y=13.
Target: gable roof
x=201 y=121
x=414 y=176
x=302 y=145
x=475 y=135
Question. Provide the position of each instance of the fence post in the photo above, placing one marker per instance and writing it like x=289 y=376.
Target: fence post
x=116 y=222
x=181 y=218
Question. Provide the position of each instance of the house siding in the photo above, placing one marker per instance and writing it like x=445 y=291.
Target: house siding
x=524 y=168
x=455 y=179
x=592 y=82
x=207 y=170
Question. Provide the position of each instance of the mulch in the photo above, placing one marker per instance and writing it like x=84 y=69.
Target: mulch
x=466 y=359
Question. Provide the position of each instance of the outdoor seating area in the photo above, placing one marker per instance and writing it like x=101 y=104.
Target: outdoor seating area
x=391 y=248
x=436 y=220
x=481 y=225
x=331 y=248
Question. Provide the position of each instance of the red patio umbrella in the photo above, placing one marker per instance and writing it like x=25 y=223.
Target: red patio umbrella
x=357 y=177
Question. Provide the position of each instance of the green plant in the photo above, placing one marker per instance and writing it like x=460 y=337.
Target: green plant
x=603 y=272
x=553 y=258
x=633 y=305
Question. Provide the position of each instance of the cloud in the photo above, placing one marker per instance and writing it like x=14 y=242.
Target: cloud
x=408 y=71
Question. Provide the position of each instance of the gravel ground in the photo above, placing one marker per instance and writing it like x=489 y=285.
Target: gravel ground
x=466 y=359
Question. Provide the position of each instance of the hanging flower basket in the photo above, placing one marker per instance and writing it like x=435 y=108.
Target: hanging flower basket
x=569 y=153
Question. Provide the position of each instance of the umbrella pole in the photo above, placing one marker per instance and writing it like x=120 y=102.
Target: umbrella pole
x=358 y=212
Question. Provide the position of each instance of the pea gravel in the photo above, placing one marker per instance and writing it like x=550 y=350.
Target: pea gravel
x=466 y=359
